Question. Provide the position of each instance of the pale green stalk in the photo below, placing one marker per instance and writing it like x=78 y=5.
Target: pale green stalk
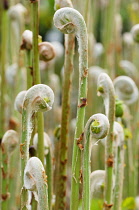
x=14 y=181
x=4 y=29
x=49 y=172
x=29 y=69
x=106 y=89
x=96 y=127
x=36 y=75
x=119 y=173
x=108 y=15
x=5 y=180
x=69 y=20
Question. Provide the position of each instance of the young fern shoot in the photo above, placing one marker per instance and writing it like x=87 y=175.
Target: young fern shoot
x=27 y=45
x=35 y=179
x=97 y=179
x=106 y=90
x=96 y=127
x=38 y=98
x=69 y=20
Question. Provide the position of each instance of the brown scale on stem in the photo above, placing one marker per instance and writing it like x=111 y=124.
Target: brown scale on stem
x=33 y=1
x=4 y=174
x=31 y=70
x=110 y=161
x=64 y=177
x=79 y=140
x=21 y=150
x=83 y=102
x=81 y=177
x=5 y=196
x=107 y=206
x=44 y=176
x=5 y=4
x=63 y=162
x=85 y=73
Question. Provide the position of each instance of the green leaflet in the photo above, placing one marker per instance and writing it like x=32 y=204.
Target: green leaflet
x=128 y=204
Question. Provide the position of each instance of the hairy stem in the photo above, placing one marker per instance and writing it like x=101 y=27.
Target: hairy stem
x=49 y=172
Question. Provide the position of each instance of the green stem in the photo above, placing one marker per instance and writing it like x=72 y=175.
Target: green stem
x=106 y=89
x=4 y=28
x=62 y=174
x=49 y=172
x=86 y=172
x=36 y=76
x=109 y=160
x=0 y=174
x=119 y=165
x=3 y=63
x=107 y=35
x=40 y=123
x=5 y=180
x=13 y=180
x=119 y=178
x=29 y=69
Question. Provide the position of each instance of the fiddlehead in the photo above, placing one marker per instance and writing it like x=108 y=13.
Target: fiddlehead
x=135 y=33
x=96 y=127
x=18 y=104
x=126 y=89
x=9 y=141
x=35 y=179
x=62 y=3
x=47 y=143
x=129 y=68
x=69 y=20
x=97 y=179
x=27 y=39
x=46 y=51
x=106 y=90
